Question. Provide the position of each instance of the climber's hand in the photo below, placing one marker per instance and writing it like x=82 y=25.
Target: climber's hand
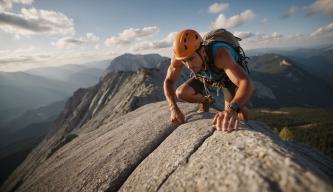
x=177 y=116
x=226 y=120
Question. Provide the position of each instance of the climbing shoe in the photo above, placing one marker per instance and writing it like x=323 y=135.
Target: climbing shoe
x=204 y=106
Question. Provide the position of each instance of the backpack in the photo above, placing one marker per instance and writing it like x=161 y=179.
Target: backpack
x=222 y=35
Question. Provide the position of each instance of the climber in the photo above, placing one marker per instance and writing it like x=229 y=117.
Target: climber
x=191 y=50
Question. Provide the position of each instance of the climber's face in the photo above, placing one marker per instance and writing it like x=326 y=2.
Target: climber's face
x=194 y=62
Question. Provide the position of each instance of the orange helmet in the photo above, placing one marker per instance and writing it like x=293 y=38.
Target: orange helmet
x=186 y=43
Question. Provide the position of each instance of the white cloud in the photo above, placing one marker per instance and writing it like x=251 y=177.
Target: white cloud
x=30 y=57
x=264 y=40
x=291 y=11
x=91 y=37
x=323 y=30
x=234 y=21
x=129 y=35
x=218 y=7
x=264 y=20
x=164 y=43
x=150 y=45
x=243 y=35
x=17 y=37
x=275 y=39
x=116 y=41
x=276 y=35
x=298 y=36
x=258 y=37
x=7 y=4
x=70 y=42
x=321 y=6
x=271 y=37
x=34 y=21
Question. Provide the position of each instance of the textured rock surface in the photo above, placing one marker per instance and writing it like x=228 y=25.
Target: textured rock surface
x=102 y=159
x=251 y=159
x=142 y=151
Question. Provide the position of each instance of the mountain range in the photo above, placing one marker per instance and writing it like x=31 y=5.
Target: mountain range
x=281 y=82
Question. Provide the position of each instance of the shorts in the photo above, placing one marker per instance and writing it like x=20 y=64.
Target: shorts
x=229 y=91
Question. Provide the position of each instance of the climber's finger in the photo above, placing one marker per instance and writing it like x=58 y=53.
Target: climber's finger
x=219 y=121
x=231 y=124
x=225 y=121
x=215 y=118
x=236 y=124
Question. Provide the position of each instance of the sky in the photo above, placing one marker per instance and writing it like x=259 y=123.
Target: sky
x=39 y=33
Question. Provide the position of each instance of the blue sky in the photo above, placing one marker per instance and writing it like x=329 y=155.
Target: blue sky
x=44 y=32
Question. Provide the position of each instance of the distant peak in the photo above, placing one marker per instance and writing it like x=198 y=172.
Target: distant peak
x=285 y=62
x=134 y=62
x=139 y=55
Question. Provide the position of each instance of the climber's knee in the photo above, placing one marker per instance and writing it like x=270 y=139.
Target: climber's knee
x=184 y=91
x=179 y=92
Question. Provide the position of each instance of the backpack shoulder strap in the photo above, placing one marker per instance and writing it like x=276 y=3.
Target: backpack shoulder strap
x=211 y=62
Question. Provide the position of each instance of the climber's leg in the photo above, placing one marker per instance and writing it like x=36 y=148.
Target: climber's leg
x=191 y=91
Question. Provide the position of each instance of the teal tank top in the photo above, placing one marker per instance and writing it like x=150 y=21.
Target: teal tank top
x=211 y=75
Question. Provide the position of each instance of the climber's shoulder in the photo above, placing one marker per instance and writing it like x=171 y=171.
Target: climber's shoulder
x=174 y=69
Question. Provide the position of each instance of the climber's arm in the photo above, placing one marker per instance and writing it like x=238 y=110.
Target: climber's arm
x=173 y=74
x=237 y=75
x=228 y=120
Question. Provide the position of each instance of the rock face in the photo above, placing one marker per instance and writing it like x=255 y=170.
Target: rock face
x=117 y=136
x=195 y=157
x=143 y=151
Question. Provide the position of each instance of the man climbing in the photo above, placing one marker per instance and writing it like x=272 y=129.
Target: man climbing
x=213 y=64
